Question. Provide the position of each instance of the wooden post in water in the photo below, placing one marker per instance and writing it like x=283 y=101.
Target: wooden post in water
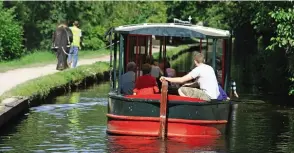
x=163 y=111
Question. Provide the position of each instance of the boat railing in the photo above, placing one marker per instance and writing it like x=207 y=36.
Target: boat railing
x=163 y=111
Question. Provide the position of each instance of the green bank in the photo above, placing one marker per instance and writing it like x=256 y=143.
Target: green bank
x=42 y=86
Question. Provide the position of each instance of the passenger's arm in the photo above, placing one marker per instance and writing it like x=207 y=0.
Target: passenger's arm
x=178 y=79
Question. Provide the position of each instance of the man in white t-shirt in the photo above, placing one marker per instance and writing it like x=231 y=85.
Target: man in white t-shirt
x=205 y=77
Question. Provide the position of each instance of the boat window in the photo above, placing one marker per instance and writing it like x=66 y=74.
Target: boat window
x=136 y=50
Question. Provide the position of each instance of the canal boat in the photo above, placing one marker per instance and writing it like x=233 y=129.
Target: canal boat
x=165 y=115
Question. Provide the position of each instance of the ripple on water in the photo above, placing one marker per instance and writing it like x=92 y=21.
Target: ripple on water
x=80 y=127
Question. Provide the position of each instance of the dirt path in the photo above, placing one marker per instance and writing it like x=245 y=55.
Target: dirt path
x=12 y=78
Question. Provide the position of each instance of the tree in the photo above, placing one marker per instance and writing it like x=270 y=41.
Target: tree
x=10 y=35
x=284 y=38
x=40 y=19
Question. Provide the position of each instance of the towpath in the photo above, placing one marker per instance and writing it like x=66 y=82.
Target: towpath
x=12 y=78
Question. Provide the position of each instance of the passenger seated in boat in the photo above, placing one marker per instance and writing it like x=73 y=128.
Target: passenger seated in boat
x=128 y=79
x=170 y=72
x=155 y=70
x=223 y=95
x=205 y=78
x=146 y=84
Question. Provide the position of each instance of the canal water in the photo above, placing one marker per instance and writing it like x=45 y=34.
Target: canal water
x=76 y=122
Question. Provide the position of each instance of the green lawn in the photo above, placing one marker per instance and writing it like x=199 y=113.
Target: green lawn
x=40 y=58
x=171 y=52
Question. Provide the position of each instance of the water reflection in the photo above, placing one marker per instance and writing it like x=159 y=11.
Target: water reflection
x=76 y=123
x=125 y=144
x=261 y=128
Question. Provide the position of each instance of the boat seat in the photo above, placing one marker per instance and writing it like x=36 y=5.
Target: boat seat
x=170 y=98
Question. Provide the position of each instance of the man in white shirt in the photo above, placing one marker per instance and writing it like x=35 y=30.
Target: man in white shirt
x=128 y=79
x=205 y=77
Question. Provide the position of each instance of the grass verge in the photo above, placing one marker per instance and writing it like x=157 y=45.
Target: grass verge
x=181 y=57
x=172 y=52
x=40 y=58
x=43 y=85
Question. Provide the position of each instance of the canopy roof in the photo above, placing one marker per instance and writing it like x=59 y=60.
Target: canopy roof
x=172 y=29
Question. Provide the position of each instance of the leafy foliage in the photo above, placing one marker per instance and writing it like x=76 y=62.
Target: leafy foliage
x=10 y=35
x=256 y=25
x=40 y=18
x=284 y=38
x=284 y=29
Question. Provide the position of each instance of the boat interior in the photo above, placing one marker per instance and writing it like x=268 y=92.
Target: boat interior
x=136 y=42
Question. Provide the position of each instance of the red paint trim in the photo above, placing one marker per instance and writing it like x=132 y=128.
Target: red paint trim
x=154 y=134
x=131 y=125
x=170 y=120
x=127 y=50
x=223 y=63
x=170 y=98
x=200 y=47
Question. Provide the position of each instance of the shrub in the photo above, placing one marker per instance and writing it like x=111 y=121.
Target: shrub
x=94 y=37
x=10 y=35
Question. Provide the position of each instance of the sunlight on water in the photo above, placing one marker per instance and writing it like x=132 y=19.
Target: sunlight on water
x=77 y=123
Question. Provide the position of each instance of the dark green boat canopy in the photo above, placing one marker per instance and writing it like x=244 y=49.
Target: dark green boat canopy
x=174 y=30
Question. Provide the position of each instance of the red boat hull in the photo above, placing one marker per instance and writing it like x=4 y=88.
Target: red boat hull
x=149 y=126
x=186 y=117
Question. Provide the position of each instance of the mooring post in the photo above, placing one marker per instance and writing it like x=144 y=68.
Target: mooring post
x=163 y=111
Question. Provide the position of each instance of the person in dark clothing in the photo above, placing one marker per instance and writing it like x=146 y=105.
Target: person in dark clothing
x=62 y=38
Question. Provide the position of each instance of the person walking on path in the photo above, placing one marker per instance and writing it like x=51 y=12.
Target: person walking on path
x=62 y=39
x=76 y=45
